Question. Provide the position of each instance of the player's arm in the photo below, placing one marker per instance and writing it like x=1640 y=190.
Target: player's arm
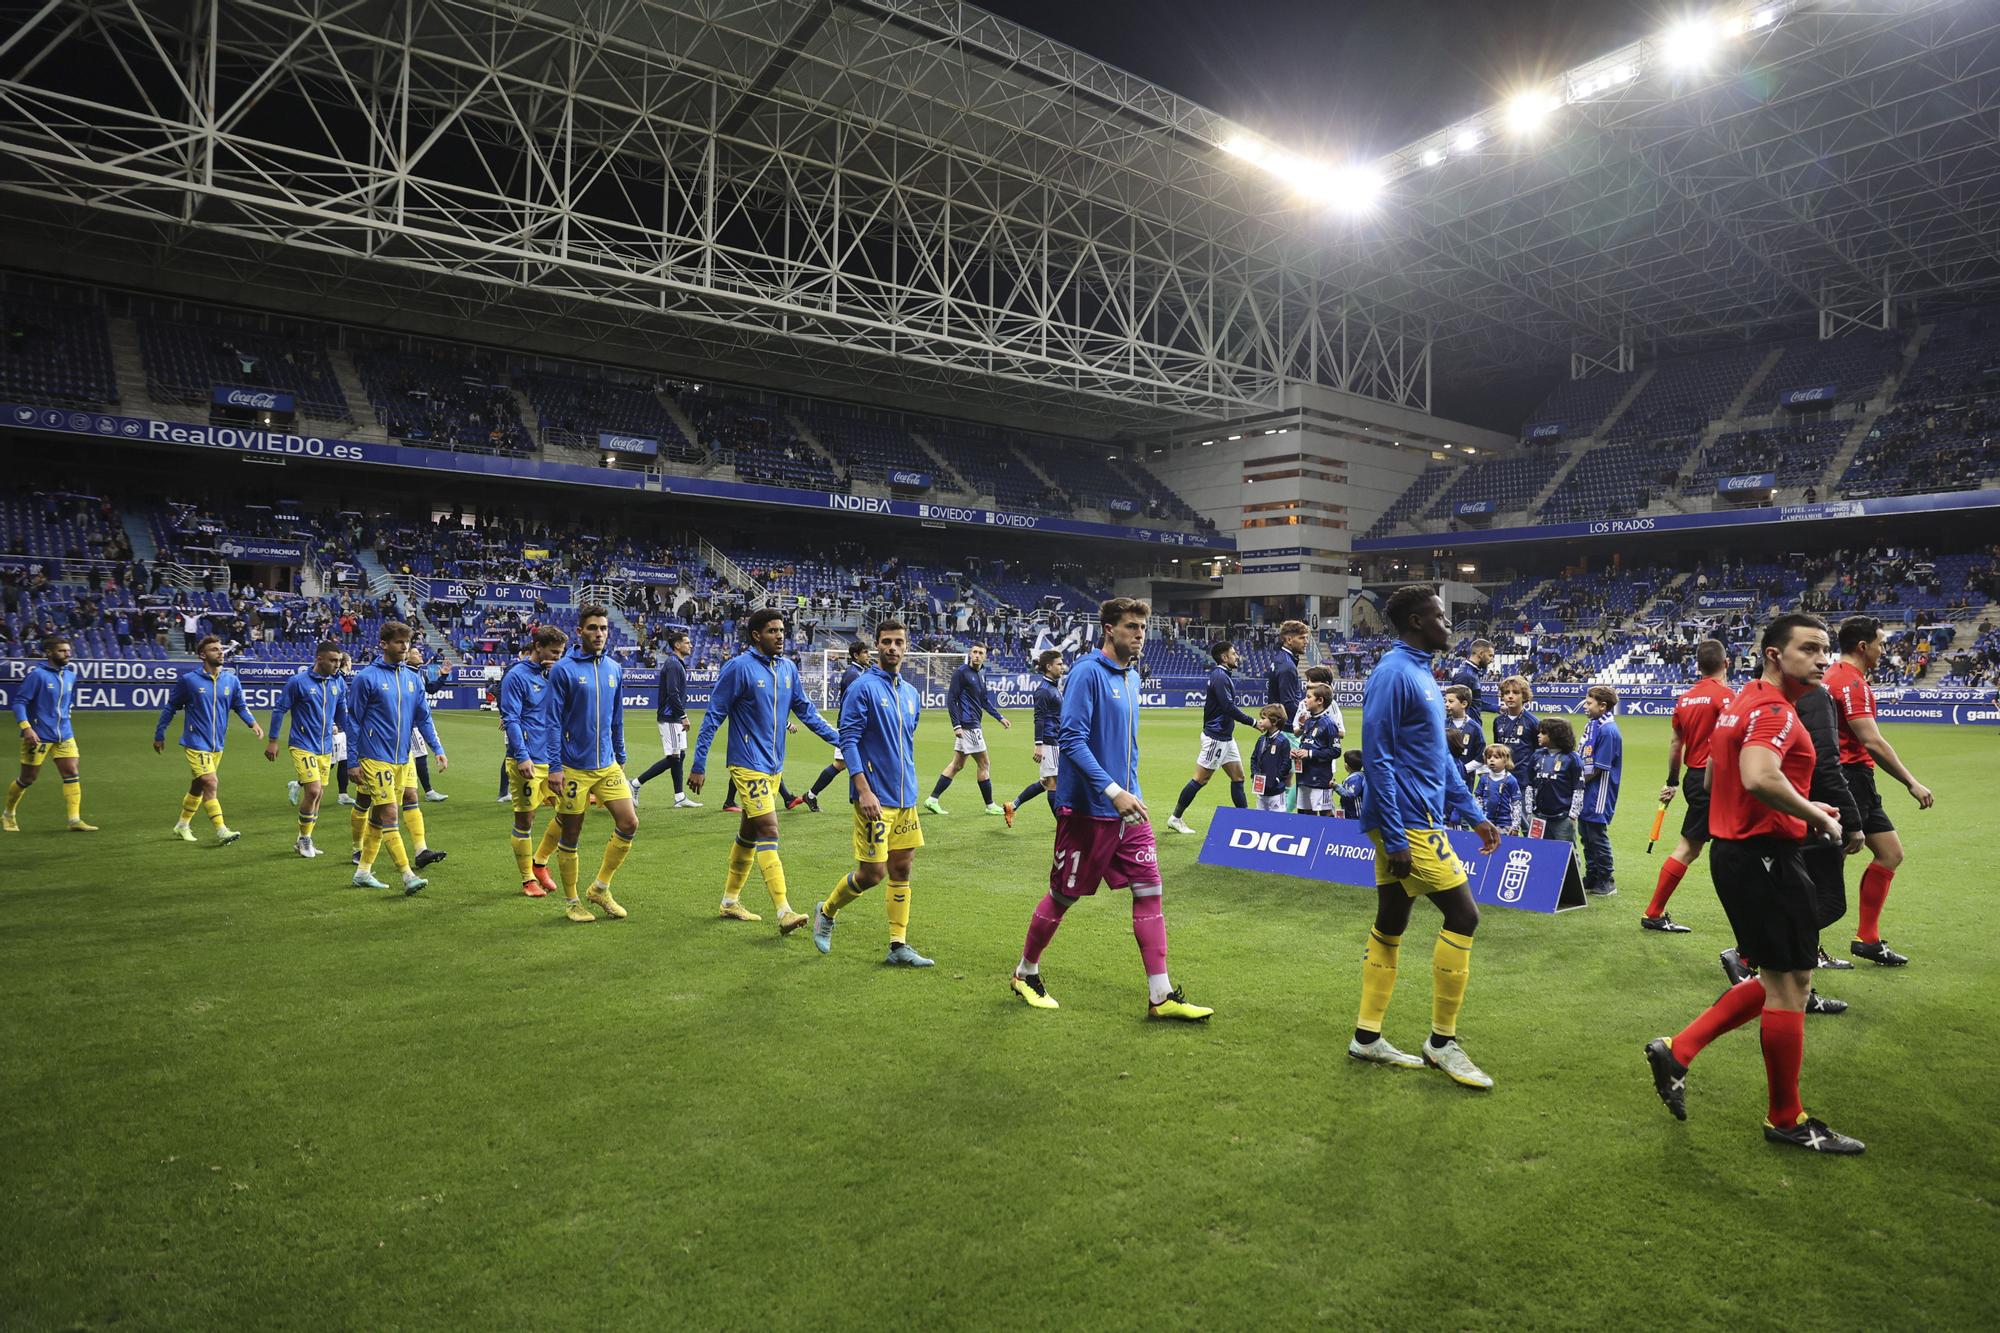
x=1383 y=808
x=1827 y=777
x=25 y=699
x=986 y=702
x=242 y=708
x=511 y=690
x=1764 y=778
x=285 y=704
x=954 y=690
x=1079 y=711
x=618 y=722
x=1877 y=745
x=856 y=706
x=1225 y=688
x=1674 y=752
x=176 y=699
x=809 y=715
x=720 y=700
x=428 y=730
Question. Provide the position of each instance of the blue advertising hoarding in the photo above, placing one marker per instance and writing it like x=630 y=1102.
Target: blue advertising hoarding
x=251 y=400
x=510 y=594
x=1465 y=508
x=628 y=444
x=1816 y=393
x=1746 y=481
x=1548 y=430
x=274 y=550
x=909 y=479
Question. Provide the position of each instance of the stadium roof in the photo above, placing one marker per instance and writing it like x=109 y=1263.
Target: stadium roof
x=930 y=203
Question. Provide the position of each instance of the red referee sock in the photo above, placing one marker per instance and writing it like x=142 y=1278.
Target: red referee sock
x=1784 y=1033
x=1874 y=892
x=1738 y=1005
x=1670 y=879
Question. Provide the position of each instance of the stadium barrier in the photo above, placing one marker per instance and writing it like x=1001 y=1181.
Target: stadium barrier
x=1527 y=874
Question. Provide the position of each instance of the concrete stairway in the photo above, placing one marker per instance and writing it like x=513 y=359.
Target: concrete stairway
x=944 y=471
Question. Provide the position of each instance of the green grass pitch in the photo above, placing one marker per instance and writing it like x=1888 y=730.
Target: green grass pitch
x=241 y=1093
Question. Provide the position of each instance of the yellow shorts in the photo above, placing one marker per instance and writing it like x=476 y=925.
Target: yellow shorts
x=580 y=784
x=897 y=830
x=203 y=762
x=383 y=783
x=529 y=794
x=311 y=767
x=1434 y=866
x=756 y=792
x=33 y=755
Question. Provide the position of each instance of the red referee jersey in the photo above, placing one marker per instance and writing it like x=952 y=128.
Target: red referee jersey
x=1853 y=697
x=1760 y=715
x=1694 y=718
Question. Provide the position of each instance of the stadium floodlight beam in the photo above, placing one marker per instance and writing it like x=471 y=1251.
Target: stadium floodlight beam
x=1465 y=140
x=1527 y=110
x=1691 y=44
x=1433 y=156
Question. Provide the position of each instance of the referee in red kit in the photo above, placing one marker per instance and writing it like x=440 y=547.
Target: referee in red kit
x=1760 y=765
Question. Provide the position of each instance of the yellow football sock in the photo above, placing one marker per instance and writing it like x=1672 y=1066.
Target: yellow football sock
x=551 y=836
x=306 y=825
x=614 y=856
x=393 y=840
x=1378 y=979
x=843 y=893
x=742 y=856
x=773 y=871
x=899 y=911
x=213 y=809
x=523 y=853
x=72 y=798
x=566 y=869
x=371 y=845
x=357 y=818
x=189 y=804
x=413 y=820
x=15 y=791
x=1451 y=968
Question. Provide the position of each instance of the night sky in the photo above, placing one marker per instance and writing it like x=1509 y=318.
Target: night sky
x=1351 y=78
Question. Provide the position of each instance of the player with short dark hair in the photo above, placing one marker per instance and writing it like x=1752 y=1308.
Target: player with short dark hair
x=533 y=756
x=1761 y=761
x=1050 y=668
x=316 y=699
x=670 y=711
x=965 y=702
x=1102 y=836
x=1695 y=712
x=1284 y=685
x=1413 y=793
x=1471 y=671
x=1862 y=748
x=1220 y=717
x=858 y=659
x=205 y=695
x=587 y=708
x=43 y=703
x=387 y=705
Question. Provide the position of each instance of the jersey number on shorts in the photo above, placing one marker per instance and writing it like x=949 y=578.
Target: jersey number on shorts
x=1075 y=864
x=756 y=786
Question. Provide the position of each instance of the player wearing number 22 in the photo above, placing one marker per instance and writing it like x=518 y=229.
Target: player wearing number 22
x=753 y=692
x=1102 y=833
x=878 y=738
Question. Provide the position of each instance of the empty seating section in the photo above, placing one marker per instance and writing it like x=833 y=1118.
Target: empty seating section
x=1410 y=501
x=457 y=402
x=1617 y=480
x=1576 y=408
x=1510 y=483
x=1159 y=500
x=759 y=442
x=1923 y=448
x=1684 y=395
x=1798 y=454
x=989 y=467
x=186 y=361
x=56 y=353
x=866 y=448
x=1027 y=594
x=1853 y=366
x=1959 y=361
x=575 y=410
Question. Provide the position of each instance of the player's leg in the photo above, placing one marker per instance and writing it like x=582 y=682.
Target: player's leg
x=72 y=789
x=569 y=819
x=1686 y=852
x=413 y=820
x=951 y=769
x=896 y=897
x=871 y=859
x=526 y=795
x=1189 y=790
x=506 y=781
x=1379 y=963
x=1829 y=883
x=30 y=768
x=521 y=842
x=983 y=763
x=310 y=795
x=190 y=803
x=742 y=860
x=1238 y=797
x=210 y=783
x=1451 y=970
x=624 y=828
x=763 y=829
x=826 y=777
x=1598 y=875
x=1886 y=849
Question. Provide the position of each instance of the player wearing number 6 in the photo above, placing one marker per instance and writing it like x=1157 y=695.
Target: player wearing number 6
x=878 y=739
x=753 y=692
x=1102 y=834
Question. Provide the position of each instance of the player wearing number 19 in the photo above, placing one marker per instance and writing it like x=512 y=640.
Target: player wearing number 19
x=386 y=704
x=42 y=705
x=586 y=707
x=205 y=696
x=753 y=692
x=316 y=699
x=878 y=739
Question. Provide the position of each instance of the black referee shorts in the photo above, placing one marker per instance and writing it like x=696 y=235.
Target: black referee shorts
x=1827 y=868
x=1861 y=781
x=1694 y=817
x=1768 y=896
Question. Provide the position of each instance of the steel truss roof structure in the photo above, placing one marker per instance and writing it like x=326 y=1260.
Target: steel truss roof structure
x=924 y=201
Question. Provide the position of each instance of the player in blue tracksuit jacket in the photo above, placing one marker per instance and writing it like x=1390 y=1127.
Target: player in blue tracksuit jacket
x=316 y=701
x=43 y=703
x=1102 y=833
x=1284 y=685
x=754 y=693
x=204 y=696
x=1049 y=672
x=670 y=711
x=586 y=697
x=859 y=656
x=1603 y=755
x=878 y=739
x=965 y=702
x=1414 y=792
x=386 y=705
x=1219 y=719
x=1471 y=672
x=527 y=715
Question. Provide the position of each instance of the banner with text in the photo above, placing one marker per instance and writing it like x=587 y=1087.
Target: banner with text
x=1467 y=508
x=908 y=479
x=507 y=594
x=1726 y=600
x=273 y=550
x=640 y=571
x=1548 y=430
x=1746 y=481
x=1816 y=393
x=252 y=400
x=628 y=444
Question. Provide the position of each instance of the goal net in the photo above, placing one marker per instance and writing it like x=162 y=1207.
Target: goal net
x=821 y=670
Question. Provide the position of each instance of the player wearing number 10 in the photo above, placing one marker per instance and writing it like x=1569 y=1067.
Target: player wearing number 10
x=878 y=740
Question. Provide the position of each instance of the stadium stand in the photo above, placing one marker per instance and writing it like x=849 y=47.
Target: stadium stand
x=1576 y=407
x=456 y=402
x=575 y=409
x=186 y=361
x=866 y=448
x=1509 y=483
x=1617 y=480
x=989 y=467
x=1797 y=453
x=1854 y=366
x=1684 y=395
x=56 y=353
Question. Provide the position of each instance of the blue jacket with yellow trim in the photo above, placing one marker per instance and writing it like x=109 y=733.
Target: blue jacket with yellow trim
x=587 y=709
x=205 y=703
x=878 y=736
x=318 y=708
x=43 y=700
x=526 y=712
x=384 y=705
x=1413 y=781
x=753 y=693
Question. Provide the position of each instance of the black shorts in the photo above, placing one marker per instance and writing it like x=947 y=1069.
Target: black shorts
x=1768 y=895
x=1827 y=869
x=1694 y=818
x=1861 y=781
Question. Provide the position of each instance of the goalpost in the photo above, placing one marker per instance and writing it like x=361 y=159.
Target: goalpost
x=821 y=670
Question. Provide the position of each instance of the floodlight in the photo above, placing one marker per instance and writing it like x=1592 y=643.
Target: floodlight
x=1688 y=46
x=1764 y=17
x=1527 y=111
x=1432 y=157
x=1465 y=140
